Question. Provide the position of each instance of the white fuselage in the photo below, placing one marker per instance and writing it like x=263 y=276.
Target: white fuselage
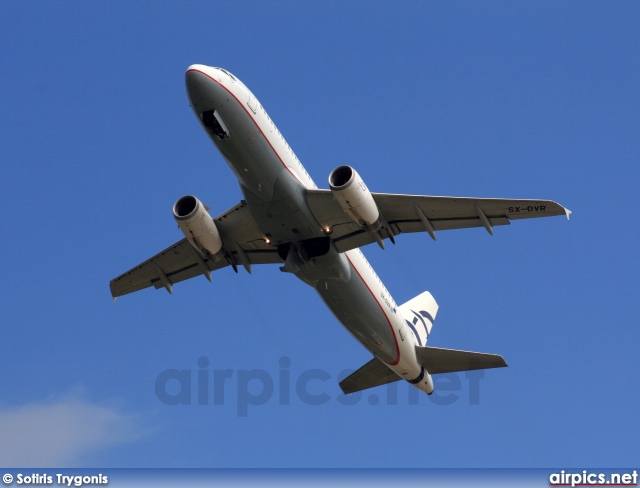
x=273 y=182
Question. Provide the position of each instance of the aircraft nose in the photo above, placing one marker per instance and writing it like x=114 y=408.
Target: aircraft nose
x=201 y=89
x=210 y=88
x=195 y=69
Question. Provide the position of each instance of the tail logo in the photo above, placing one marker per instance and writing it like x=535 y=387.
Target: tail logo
x=420 y=316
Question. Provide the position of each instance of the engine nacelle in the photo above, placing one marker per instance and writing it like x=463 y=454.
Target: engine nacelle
x=197 y=225
x=354 y=197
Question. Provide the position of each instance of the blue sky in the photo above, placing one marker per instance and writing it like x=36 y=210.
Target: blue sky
x=486 y=99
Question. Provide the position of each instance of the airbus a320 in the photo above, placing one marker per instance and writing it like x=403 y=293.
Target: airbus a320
x=316 y=235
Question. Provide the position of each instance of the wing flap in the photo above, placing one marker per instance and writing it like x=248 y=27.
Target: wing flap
x=437 y=360
x=409 y=226
x=372 y=374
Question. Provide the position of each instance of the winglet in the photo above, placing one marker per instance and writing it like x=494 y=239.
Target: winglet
x=567 y=213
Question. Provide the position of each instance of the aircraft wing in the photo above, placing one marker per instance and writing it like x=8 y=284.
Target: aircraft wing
x=417 y=213
x=242 y=241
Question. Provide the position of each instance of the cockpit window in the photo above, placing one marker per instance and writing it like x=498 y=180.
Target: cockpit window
x=227 y=73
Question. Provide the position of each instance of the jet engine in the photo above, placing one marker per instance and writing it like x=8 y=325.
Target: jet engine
x=197 y=225
x=354 y=197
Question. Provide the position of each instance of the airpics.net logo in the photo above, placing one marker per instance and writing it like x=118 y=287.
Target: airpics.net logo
x=247 y=389
x=587 y=478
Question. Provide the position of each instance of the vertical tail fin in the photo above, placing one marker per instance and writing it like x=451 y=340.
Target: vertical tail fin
x=419 y=314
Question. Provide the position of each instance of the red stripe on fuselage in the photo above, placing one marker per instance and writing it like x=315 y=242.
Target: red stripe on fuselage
x=381 y=309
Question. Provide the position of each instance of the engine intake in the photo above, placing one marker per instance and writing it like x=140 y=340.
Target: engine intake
x=197 y=225
x=354 y=197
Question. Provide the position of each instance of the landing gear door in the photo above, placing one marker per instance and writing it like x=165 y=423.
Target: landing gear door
x=214 y=124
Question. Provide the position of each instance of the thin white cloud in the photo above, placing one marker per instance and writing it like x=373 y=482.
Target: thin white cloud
x=61 y=433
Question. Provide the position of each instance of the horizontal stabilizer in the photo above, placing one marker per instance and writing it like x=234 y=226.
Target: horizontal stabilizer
x=374 y=373
x=437 y=360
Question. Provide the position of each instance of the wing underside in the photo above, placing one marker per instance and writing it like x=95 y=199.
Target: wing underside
x=416 y=213
x=243 y=244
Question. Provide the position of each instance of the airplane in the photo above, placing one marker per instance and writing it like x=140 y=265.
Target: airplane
x=316 y=234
